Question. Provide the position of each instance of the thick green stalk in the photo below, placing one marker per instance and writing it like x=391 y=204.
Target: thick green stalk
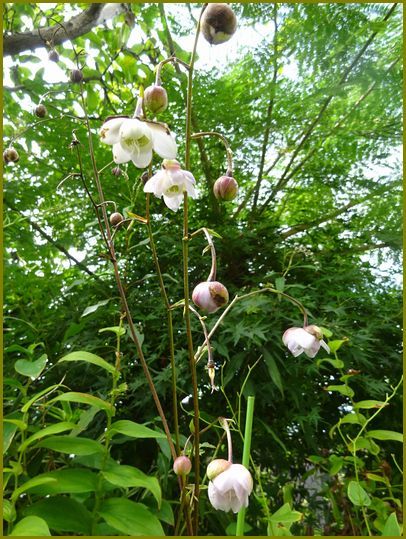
x=246 y=457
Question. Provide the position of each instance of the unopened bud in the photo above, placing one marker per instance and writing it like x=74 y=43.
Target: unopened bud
x=225 y=188
x=116 y=218
x=210 y=296
x=315 y=331
x=182 y=465
x=218 y=23
x=216 y=467
x=76 y=76
x=53 y=55
x=41 y=111
x=116 y=171
x=10 y=155
x=155 y=98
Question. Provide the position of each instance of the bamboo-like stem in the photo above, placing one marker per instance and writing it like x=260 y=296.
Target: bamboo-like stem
x=192 y=363
x=120 y=287
x=246 y=457
x=229 y=152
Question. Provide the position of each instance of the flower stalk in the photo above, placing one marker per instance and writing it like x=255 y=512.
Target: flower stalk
x=246 y=457
x=229 y=152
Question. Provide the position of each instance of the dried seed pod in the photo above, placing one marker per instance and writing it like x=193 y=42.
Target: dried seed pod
x=76 y=76
x=41 y=111
x=218 y=23
x=116 y=218
x=155 y=98
x=11 y=155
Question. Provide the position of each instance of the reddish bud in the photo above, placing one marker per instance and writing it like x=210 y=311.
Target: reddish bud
x=210 y=296
x=182 y=465
x=116 y=218
x=41 y=111
x=225 y=188
x=116 y=171
x=76 y=76
x=11 y=155
x=218 y=23
x=155 y=98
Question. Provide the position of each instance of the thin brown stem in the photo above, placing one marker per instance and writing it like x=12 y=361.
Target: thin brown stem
x=226 y=144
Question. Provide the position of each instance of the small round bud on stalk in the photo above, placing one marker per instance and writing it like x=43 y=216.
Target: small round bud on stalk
x=225 y=188
x=155 y=98
x=41 y=111
x=53 y=56
x=116 y=171
x=218 y=23
x=209 y=296
x=116 y=218
x=76 y=76
x=144 y=177
x=11 y=155
x=217 y=467
x=182 y=465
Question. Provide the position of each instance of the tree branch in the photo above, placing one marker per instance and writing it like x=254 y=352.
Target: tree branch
x=77 y=26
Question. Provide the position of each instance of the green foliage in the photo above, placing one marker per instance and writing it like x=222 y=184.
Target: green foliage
x=324 y=229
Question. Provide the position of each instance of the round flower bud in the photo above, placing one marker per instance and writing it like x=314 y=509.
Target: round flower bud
x=10 y=155
x=53 y=55
x=225 y=188
x=218 y=23
x=116 y=171
x=76 y=76
x=116 y=218
x=216 y=467
x=41 y=111
x=209 y=296
x=155 y=99
x=182 y=465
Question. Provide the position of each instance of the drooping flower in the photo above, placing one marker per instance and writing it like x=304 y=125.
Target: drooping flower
x=307 y=340
x=133 y=140
x=230 y=489
x=171 y=182
x=210 y=296
x=218 y=23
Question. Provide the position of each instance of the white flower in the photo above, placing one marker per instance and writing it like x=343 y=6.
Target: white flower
x=171 y=182
x=230 y=489
x=307 y=340
x=134 y=140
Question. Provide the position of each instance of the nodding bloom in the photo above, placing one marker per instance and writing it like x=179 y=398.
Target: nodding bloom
x=171 y=182
x=133 y=140
x=210 y=296
x=307 y=340
x=230 y=488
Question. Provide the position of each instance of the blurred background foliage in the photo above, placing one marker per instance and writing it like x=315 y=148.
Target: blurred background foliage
x=325 y=228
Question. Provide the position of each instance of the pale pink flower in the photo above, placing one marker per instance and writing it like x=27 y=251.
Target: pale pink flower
x=230 y=489
x=307 y=340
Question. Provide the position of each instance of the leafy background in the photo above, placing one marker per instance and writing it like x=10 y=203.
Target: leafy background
x=329 y=235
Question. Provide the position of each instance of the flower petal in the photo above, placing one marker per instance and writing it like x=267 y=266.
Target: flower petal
x=313 y=349
x=120 y=155
x=173 y=203
x=142 y=157
x=135 y=135
x=163 y=142
x=151 y=185
x=298 y=336
x=325 y=346
x=109 y=131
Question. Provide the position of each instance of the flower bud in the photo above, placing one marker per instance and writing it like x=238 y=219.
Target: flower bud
x=41 y=111
x=76 y=76
x=225 y=188
x=216 y=467
x=53 y=56
x=116 y=171
x=210 y=296
x=116 y=218
x=182 y=465
x=218 y=23
x=315 y=331
x=155 y=99
x=10 y=155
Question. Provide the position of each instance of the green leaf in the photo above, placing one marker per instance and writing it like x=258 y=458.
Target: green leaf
x=232 y=528
x=31 y=527
x=335 y=345
x=134 y=430
x=326 y=332
x=367 y=404
x=280 y=284
x=9 y=430
x=378 y=478
x=119 y=331
x=336 y=463
x=9 y=512
x=391 y=528
x=353 y=418
x=343 y=389
x=130 y=517
x=358 y=495
x=29 y=484
x=19 y=424
x=385 y=435
x=68 y=481
x=337 y=363
x=93 y=308
x=129 y=477
x=89 y=358
x=47 y=431
x=164 y=513
x=84 y=398
x=32 y=369
x=37 y=396
x=273 y=370
x=71 y=445
x=285 y=515
x=63 y=514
